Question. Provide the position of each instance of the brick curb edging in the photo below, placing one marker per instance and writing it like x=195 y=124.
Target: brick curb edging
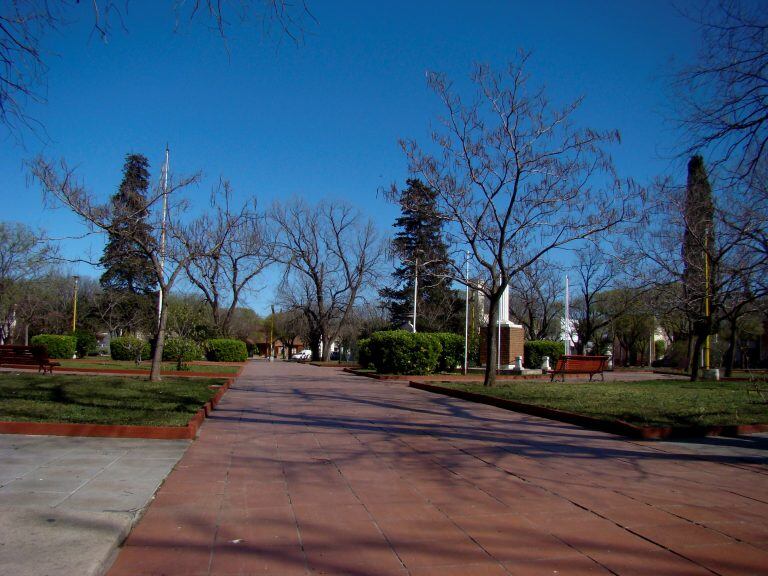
x=440 y=377
x=187 y=432
x=128 y=372
x=612 y=426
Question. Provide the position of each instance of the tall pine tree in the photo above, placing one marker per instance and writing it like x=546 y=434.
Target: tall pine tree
x=419 y=244
x=129 y=276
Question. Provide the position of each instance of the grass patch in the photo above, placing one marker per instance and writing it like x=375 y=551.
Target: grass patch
x=646 y=403
x=108 y=363
x=102 y=399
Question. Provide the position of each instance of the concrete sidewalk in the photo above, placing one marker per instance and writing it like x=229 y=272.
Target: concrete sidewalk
x=67 y=503
x=307 y=470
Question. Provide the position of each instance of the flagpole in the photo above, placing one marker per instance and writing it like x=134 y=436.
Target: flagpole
x=162 y=232
x=567 y=331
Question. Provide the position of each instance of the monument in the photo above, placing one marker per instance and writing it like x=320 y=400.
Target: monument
x=510 y=337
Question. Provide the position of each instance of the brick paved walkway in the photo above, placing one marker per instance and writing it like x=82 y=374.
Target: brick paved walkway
x=306 y=470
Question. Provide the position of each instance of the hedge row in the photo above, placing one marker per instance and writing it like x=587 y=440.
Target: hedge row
x=129 y=348
x=401 y=352
x=226 y=350
x=182 y=350
x=535 y=350
x=58 y=346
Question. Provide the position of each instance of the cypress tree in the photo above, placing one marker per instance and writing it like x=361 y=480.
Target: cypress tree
x=698 y=242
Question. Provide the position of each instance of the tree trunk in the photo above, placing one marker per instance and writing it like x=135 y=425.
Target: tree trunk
x=696 y=354
x=731 y=352
x=491 y=334
x=326 y=348
x=157 y=358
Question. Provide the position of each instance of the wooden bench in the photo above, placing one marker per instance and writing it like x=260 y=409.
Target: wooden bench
x=573 y=364
x=27 y=356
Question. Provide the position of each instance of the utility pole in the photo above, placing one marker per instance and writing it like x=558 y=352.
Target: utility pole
x=466 y=315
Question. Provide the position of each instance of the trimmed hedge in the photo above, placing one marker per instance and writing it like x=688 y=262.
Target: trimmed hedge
x=401 y=352
x=226 y=350
x=452 y=354
x=535 y=350
x=129 y=348
x=181 y=350
x=56 y=345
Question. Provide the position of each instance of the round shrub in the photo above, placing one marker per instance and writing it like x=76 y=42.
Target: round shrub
x=364 y=352
x=129 y=348
x=56 y=345
x=181 y=350
x=226 y=350
x=535 y=350
x=401 y=352
x=87 y=344
x=452 y=354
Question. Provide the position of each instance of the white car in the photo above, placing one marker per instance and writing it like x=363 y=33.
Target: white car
x=303 y=355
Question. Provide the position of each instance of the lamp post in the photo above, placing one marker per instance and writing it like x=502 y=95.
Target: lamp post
x=74 y=304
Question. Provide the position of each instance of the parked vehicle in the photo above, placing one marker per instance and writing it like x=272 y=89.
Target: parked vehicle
x=303 y=355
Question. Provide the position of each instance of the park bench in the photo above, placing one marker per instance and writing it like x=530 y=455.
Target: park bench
x=27 y=356
x=572 y=364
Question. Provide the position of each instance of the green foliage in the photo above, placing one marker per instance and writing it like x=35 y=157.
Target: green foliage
x=452 y=350
x=129 y=348
x=129 y=268
x=87 y=344
x=401 y=352
x=364 y=352
x=58 y=346
x=226 y=350
x=182 y=350
x=535 y=350
x=659 y=348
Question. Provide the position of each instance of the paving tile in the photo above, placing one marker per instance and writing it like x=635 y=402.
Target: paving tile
x=249 y=559
x=306 y=470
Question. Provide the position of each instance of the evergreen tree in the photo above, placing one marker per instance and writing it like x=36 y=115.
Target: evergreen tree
x=698 y=245
x=128 y=269
x=129 y=280
x=419 y=245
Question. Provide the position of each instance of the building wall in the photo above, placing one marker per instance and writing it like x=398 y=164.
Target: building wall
x=512 y=344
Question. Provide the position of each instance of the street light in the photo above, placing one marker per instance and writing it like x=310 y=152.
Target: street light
x=74 y=304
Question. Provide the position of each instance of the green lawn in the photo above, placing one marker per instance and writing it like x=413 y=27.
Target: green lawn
x=102 y=399
x=101 y=363
x=647 y=403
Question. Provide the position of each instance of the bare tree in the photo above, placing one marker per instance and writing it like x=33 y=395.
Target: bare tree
x=236 y=249
x=515 y=180
x=60 y=184
x=736 y=272
x=24 y=255
x=24 y=23
x=602 y=295
x=725 y=94
x=330 y=256
x=536 y=300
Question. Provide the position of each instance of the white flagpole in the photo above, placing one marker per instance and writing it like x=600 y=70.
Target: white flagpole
x=466 y=314
x=162 y=230
x=567 y=332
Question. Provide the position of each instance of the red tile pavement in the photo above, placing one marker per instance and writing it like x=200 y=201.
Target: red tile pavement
x=307 y=470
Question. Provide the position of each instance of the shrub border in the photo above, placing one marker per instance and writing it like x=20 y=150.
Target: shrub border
x=612 y=426
x=188 y=432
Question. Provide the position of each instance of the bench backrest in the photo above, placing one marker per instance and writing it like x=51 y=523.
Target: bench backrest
x=10 y=351
x=585 y=363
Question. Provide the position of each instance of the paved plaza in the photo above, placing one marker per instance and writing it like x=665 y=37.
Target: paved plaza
x=66 y=503
x=307 y=470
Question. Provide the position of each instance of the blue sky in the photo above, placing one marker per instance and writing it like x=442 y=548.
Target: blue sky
x=322 y=119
